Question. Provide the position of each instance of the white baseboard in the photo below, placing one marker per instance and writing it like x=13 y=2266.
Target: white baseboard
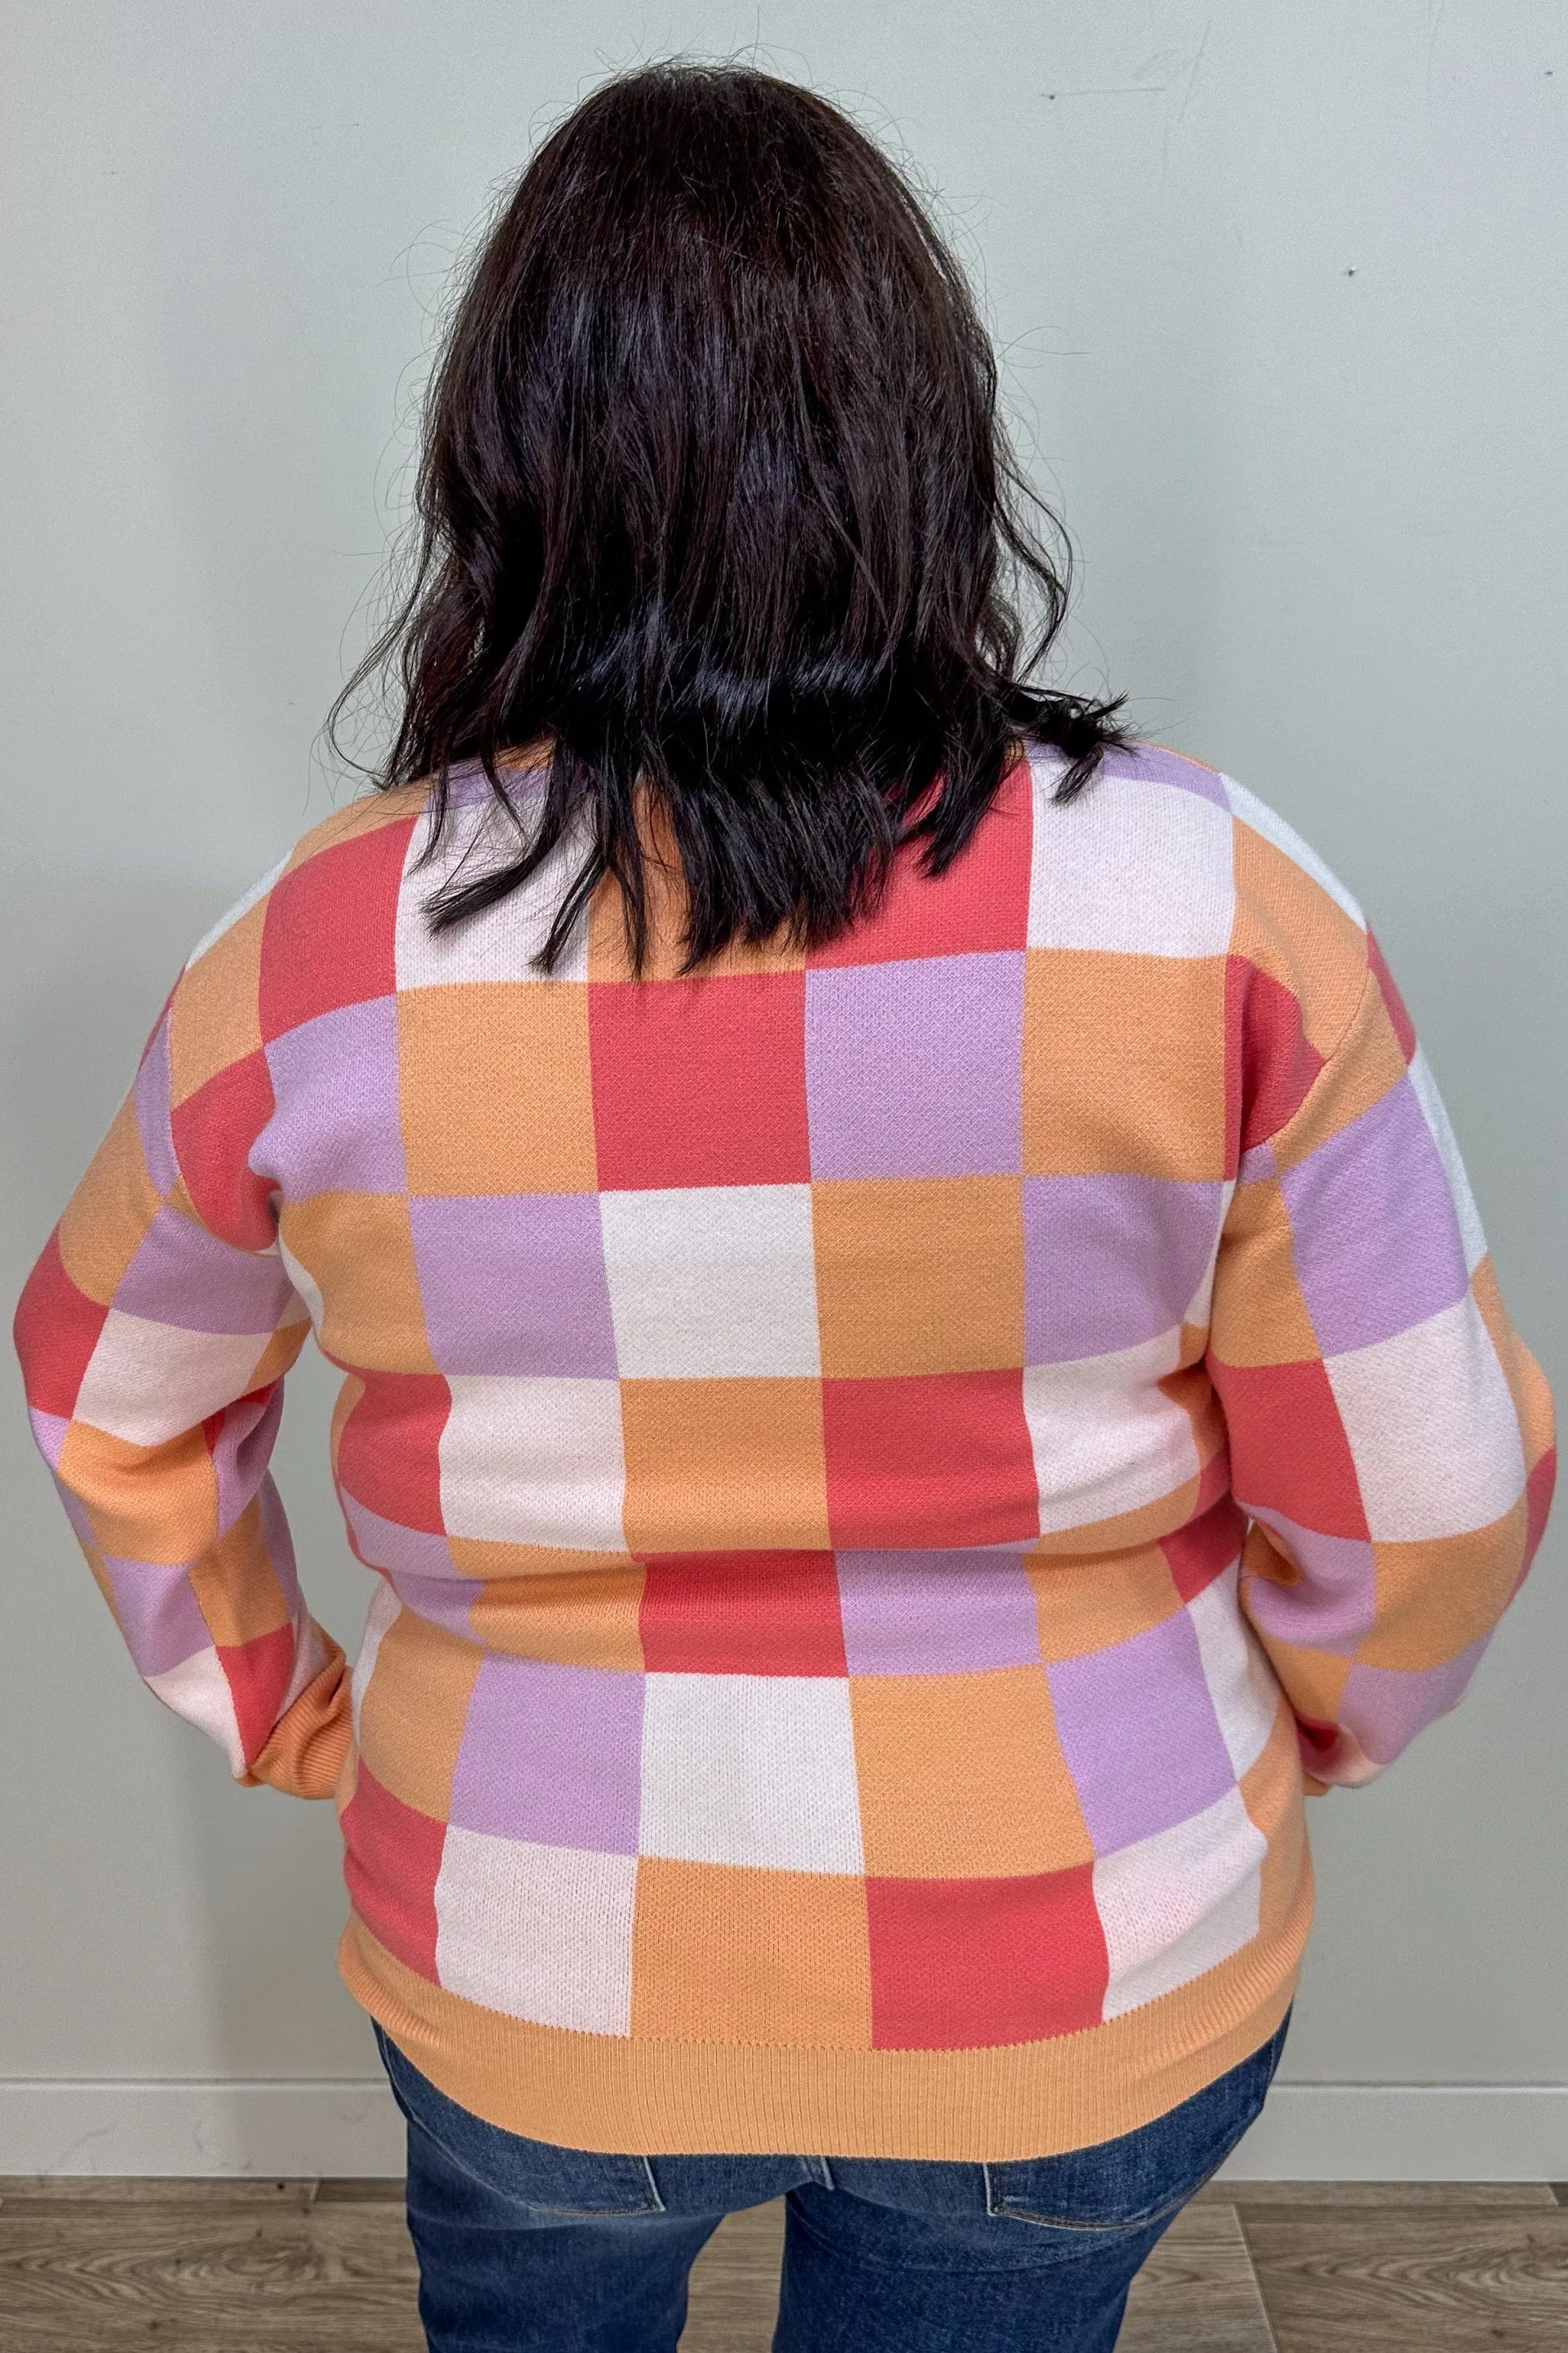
x=1408 y=2132
x=311 y=2129
x=1309 y=2132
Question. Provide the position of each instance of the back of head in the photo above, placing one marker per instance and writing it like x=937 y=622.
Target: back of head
x=715 y=502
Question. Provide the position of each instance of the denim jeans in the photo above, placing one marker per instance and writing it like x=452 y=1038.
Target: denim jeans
x=524 y=2245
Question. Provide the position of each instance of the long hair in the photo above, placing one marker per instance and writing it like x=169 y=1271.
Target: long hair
x=714 y=502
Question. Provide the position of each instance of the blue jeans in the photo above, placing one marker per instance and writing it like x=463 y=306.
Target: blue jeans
x=524 y=2245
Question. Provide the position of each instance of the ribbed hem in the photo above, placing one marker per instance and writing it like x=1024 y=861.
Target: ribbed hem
x=644 y=2098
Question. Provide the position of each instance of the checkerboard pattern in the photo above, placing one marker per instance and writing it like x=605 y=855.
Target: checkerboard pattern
x=872 y=1460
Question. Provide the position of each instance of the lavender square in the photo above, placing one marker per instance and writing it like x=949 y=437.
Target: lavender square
x=552 y=1754
x=402 y=1552
x=158 y=1613
x=1335 y=1602
x=515 y=1284
x=914 y=1069
x=1386 y=1707
x=184 y=1275
x=151 y=1098
x=241 y=1451
x=1137 y=1730
x=444 y=1601
x=1110 y=1260
x=335 y=1128
x=1148 y=764
x=936 y=1613
x=1377 y=1241
x=49 y=1435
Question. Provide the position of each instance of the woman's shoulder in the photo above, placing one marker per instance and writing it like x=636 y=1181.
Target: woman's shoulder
x=316 y=933
x=1162 y=855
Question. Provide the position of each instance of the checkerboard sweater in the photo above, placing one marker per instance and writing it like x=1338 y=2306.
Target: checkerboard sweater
x=875 y=1465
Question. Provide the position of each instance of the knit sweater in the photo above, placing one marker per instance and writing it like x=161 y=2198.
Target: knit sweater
x=875 y=1465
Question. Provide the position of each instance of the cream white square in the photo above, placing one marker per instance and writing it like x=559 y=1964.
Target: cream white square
x=712 y=1281
x=537 y=1932
x=1434 y=1111
x=1273 y=828
x=1106 y=1438
x=501 y=943
x=305 y=1285
x=534 y=1460
x=1242 y=1684
x=756 y=1769
x=226 y=922
x=147 y=1383
x=1431 y=1429
x=1135 y=866
x=1178 y=1904
x=1201 y=1305
x=198 y=1690
x=383 y=1609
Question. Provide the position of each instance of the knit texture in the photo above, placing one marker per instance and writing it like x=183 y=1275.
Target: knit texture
x=876 y=1465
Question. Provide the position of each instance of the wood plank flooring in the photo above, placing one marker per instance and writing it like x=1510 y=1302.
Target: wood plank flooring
x=92 y=2266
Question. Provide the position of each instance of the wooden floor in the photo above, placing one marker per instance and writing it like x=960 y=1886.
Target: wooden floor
x=325 y=2267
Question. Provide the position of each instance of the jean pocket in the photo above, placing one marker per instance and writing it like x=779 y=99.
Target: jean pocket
x=1145 y=2177
x=553 y=2184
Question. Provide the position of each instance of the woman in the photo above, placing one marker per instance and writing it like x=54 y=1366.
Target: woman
x=917 y=1357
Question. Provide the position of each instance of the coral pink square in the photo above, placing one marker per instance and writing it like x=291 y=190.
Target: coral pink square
x=929 y=1459
x=213 y=1131
x=258 y=1672
x=1271 y=1061
x=982 y=902
x=56 y=1330
x=960 y=1964
x=392 y=1857
x=742 y=1613
x=1204 y=1547
x=389 y=1448
x=331 y=924
x=1288 y=1445
x=699 y=1081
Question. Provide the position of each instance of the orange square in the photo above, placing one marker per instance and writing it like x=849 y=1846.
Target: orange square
x=413 y=1709
x=724 y=1465
x=215 y=1017
x=918 y=1274
x=1288 y=926
x=494 y=1087
x=166 y=1520
x=584 y=1616
x=1371 y=1066
x=1314 y=1681
x=724 y=1954
x=107 y=1217
x=1123 y=1065
x=1087 y=1605
x=1272 y=1793
x=1259 y=1315
x=279 y=1353
x=366 y=813
x=1425 y=1614
x=358 y=1250
x=235 y=1584
x=961 y=1777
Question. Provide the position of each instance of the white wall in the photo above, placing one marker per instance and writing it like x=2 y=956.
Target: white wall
x=1279 y=291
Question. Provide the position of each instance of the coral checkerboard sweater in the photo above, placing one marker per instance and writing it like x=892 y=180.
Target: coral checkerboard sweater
x=875 y=1466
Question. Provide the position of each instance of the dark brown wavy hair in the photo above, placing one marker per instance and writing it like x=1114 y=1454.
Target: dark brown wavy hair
x=714 y=501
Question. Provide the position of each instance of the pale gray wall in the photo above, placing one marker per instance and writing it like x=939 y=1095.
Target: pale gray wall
x=1279 y=293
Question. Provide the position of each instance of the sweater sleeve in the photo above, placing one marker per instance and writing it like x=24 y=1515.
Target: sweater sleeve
x=153 y=1349
x=1390 y=1439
